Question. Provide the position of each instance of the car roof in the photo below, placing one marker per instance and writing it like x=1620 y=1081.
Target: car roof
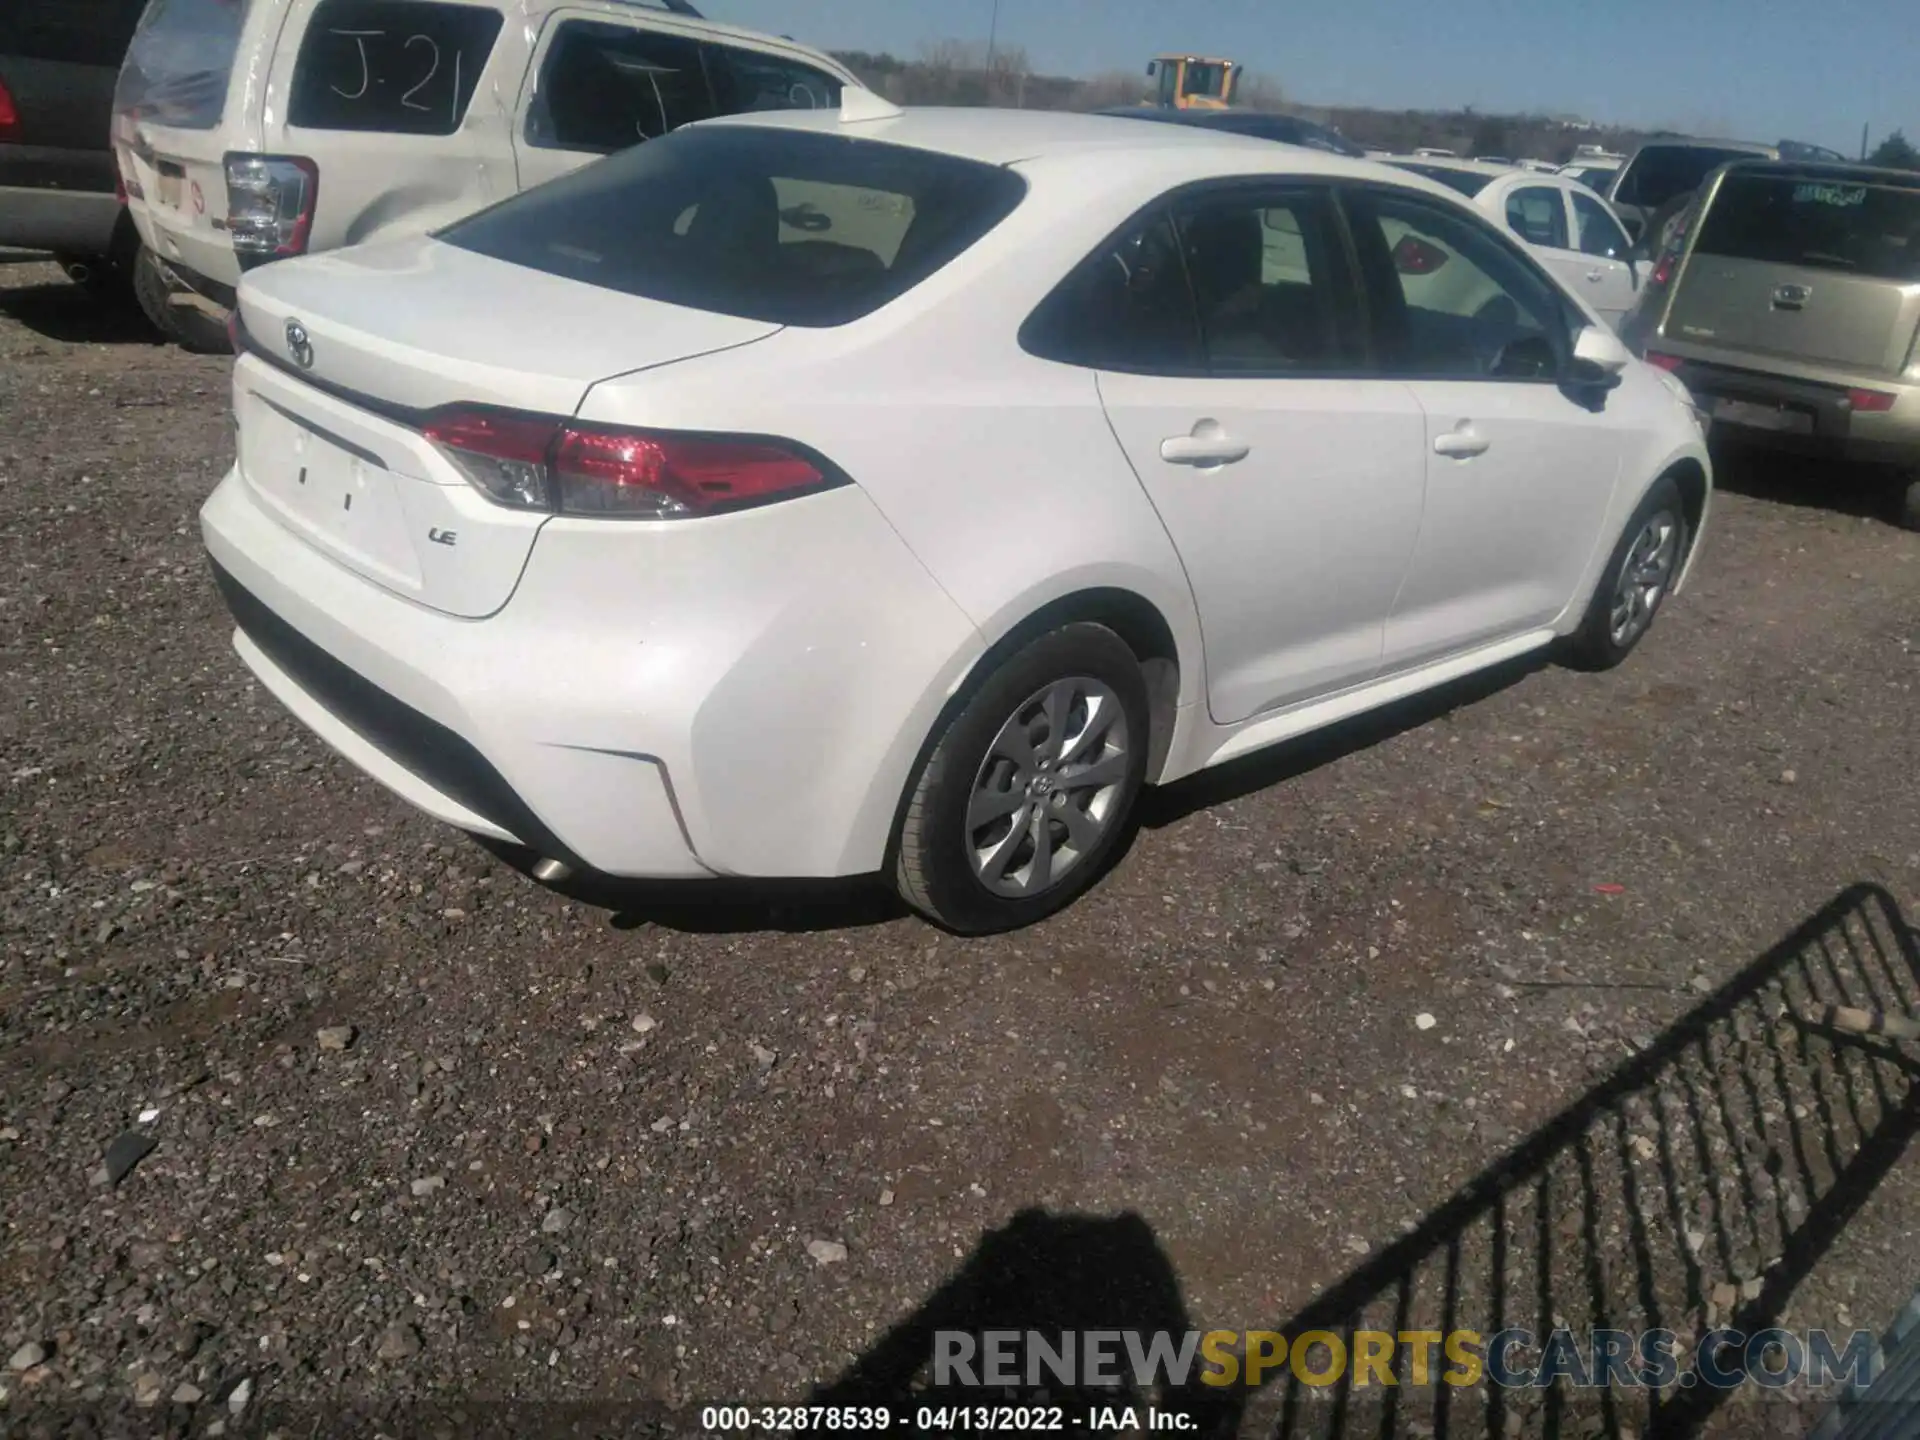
x=682 y=22
x=1490 y=168
x=1827 y=170
x=1001 y=137
x=1694 y=142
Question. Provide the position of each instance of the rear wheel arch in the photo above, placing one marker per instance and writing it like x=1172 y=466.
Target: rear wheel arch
x=1131 y=616
x=1690 y=478
x=1134 y=618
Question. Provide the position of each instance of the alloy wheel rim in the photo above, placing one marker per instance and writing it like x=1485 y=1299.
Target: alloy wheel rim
x=1644 y=577
x=1048 y=791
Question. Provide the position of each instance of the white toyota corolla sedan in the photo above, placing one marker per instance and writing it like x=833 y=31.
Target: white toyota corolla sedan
x=821 y=494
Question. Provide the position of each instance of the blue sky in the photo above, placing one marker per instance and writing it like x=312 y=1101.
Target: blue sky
x=1757 y=69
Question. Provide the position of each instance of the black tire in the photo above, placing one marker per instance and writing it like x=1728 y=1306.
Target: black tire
x=1910 y=503
x=934 y=866
x=1596 y=645
x=188 y=329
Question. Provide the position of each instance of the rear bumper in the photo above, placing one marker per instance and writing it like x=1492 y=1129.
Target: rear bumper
x=1832 y=426
x=650 y=705
x=71 y=222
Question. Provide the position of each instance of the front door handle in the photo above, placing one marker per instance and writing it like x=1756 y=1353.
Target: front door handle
x=1596 y=276
x=1208 y=445
x=1461 y=444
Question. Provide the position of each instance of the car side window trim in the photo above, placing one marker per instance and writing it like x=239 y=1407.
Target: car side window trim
x=1349 y=298
x=1568 y=315
x=1038 y=335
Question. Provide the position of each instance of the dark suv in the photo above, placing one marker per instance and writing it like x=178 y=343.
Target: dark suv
x=58 y=184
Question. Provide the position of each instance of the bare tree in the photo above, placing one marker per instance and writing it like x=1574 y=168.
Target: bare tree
x=1110 y=90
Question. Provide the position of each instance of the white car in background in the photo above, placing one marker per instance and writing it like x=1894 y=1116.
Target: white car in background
x=1571 y=228
x=866 y=491
x=250 y=131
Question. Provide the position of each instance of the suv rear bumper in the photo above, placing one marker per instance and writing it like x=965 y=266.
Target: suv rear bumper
x=72 y=222
x=1833 y=427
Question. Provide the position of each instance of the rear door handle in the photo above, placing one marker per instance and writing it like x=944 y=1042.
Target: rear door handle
x=1461 y=444
x=1218 y=448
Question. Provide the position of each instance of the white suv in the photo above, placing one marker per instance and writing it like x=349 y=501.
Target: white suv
x=251 y=130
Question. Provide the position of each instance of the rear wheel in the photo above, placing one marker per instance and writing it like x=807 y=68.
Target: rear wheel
x=1028 y=789
x=185 y=326
x=1638 y=578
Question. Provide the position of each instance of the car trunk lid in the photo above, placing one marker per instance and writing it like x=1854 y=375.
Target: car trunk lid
x=1809 y=268
x=347 y=354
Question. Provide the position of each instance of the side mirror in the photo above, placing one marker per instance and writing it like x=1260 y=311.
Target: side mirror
x=1600 y=348
x=1153 y=68
x=1594 y=369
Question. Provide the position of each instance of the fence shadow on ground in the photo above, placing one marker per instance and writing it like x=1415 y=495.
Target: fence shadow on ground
x=1697 y=1185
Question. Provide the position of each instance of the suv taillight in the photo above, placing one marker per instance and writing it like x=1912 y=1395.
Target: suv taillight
x=270 y=205
x=534 y=462
x=9 y=114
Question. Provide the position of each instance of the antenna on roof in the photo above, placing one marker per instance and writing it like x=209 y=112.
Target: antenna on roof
x=858 y=105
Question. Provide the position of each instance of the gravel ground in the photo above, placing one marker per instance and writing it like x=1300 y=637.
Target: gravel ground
x=420 y=1132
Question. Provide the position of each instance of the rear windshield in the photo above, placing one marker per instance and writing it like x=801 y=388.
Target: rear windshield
x=401 y=67
x=788 y=226
x=177 y=67
x=1871 y=230
x=1660 y=172
x=1465 y=181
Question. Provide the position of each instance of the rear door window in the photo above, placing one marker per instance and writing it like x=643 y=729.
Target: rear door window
x=1270 y=283
x=604 y=87
x=1660 y=172
x=1816 y=224
x=749 y=80
x=403 y=67
x=1126 y=307
x=1538 y=216
x=764 y=223
x=178 y=64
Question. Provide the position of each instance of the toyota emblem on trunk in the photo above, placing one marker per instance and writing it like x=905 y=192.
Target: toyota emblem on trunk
x=299 y=346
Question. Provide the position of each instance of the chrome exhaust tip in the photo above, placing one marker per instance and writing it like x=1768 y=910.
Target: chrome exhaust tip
x=552 y=872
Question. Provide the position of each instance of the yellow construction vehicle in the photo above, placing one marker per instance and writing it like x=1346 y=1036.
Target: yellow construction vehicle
x=1193 y=82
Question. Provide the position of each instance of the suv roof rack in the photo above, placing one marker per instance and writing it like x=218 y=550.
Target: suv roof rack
x=677 y=7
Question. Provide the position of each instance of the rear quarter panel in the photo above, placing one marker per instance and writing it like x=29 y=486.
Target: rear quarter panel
x=376 y=185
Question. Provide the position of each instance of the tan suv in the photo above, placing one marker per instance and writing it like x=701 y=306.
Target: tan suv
x=1789 y=304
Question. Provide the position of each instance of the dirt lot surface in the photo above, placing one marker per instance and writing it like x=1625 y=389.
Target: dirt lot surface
x=1478 y=1014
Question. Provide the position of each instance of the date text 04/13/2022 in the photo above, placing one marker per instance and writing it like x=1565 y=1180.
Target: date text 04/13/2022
x=939 y=1419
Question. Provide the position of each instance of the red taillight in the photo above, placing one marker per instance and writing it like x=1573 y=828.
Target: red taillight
x=1663 y=271
x=9 y=114
x=618 y=472
x=531 y=462
x=1663 y=361
x=1871 y=401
